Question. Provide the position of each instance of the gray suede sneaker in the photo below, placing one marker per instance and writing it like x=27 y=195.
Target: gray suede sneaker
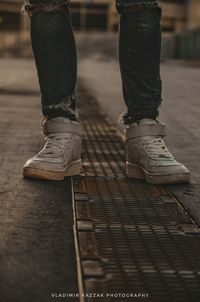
x=61 y=154
x=148 y=157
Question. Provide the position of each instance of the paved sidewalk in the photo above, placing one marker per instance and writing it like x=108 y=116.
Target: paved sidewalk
x=36 y=248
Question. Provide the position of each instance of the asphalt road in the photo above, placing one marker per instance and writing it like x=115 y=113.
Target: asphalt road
x=36 y=247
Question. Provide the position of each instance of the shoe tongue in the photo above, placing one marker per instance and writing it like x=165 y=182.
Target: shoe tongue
x=60 y=119
x=147 y=121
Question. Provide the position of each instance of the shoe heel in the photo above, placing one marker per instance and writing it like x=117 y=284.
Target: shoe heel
x=134 y=171
x=74 y=168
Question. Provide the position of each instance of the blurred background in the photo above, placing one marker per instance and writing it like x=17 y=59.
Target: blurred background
x=180 y=22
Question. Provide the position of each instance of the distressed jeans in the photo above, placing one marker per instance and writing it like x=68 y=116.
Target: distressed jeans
x=139 y=56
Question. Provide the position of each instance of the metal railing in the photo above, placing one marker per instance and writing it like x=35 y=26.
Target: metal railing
x=182 y=46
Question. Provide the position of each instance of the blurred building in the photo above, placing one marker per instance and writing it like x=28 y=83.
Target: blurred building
x=180 y=15
x=193 y=14
x=11 y=19
x=177 y=16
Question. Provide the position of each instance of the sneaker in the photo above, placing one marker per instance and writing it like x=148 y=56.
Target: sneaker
x=148 y=157
x=61 y=154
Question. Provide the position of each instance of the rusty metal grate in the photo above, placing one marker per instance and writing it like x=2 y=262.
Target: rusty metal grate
x=131 y=237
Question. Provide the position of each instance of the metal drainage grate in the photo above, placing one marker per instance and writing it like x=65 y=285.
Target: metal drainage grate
x=132 y=238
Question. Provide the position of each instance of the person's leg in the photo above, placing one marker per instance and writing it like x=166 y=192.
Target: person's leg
x=55 y=56
x=139 y=53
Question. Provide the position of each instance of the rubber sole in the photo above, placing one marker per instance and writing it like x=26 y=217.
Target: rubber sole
x=73 y=169
x=138 y=172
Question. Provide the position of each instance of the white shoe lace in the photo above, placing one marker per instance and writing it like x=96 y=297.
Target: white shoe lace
x=55 y=145
x=155 y=147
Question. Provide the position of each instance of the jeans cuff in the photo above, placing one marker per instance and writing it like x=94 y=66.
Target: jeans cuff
x=127 y=118
x=65 y=108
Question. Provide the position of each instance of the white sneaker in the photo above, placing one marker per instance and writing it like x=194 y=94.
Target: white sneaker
x=148 y=157
x=61 y=154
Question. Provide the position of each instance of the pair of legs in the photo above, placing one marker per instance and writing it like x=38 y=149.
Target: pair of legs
x=139 y=55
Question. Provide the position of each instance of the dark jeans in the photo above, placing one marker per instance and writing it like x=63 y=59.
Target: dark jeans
x=139 y=55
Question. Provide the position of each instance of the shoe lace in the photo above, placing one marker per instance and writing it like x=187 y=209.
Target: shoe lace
x=55 y=144
x=156 y=148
